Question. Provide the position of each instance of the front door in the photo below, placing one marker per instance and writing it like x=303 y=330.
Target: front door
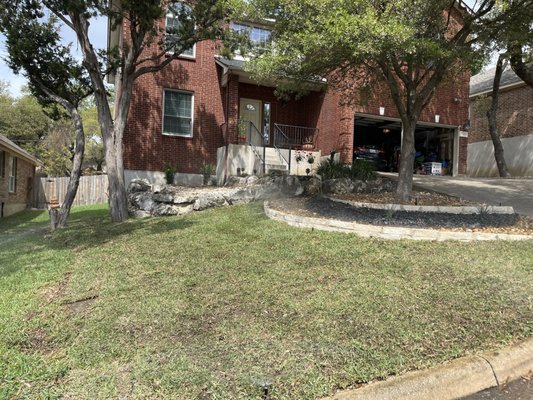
x=250 y=110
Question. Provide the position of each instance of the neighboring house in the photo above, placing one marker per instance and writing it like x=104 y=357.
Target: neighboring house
x=195 y=110
x=17 y=172
x=514 y=120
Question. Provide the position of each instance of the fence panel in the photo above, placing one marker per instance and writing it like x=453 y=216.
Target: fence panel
x=91 y=190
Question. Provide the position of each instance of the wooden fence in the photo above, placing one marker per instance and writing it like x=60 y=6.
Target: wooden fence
x=92 y=190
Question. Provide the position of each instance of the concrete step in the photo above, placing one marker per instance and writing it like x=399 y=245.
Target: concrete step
x=276 y=167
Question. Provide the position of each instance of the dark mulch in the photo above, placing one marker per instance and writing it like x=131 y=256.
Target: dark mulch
x=320 y=207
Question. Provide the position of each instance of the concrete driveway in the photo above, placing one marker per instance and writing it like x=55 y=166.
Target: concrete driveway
x=517 y=193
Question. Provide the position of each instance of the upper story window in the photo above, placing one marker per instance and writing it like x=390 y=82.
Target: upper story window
x=259 y=37
x=12 y=186
x=173 y=25
x=178 y=113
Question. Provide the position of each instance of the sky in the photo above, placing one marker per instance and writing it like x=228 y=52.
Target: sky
x=97 y=33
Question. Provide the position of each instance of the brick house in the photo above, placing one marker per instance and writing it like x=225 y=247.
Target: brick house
x=515 y=125
x=195 y=110
x=17 y=172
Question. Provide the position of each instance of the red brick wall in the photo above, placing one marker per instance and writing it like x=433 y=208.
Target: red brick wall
x=147 y=149
x=25 y=173
x=515 y=108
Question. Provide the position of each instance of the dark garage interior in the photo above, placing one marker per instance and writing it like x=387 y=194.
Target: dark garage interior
x=380 y=141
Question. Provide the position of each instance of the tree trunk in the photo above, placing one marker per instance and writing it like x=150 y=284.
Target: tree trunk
x=58 y=218
x=405 y=174
x=118 y=204
x=493 y=123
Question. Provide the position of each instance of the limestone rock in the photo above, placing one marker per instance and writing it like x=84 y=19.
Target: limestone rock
x=338 y=186
x=138 y=214
x=163 y=209
x=139 y=185
x=312 y=186
x=209 y=200
x=241 y=196
x=141 y=201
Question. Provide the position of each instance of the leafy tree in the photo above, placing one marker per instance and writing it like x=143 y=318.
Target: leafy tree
x=23 y=120
x=94 y=153
x=55 y=78
x=411 y=46
x=57 y=148
x=515 y=31
x=145 y=49
x=507 y=31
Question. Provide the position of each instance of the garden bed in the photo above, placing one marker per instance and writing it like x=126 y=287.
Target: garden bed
x=321 y=207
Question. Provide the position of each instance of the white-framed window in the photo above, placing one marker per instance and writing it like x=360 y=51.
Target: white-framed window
x=12 y=186
x=259 y=36
x=178 y=107
x=2 y=163
x=173 y=25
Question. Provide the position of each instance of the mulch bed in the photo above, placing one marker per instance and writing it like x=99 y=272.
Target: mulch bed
x=321 y=207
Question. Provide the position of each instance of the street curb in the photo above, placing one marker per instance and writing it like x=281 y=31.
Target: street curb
x=452 y=380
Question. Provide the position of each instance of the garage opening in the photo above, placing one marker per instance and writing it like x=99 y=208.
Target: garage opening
x=379 y=140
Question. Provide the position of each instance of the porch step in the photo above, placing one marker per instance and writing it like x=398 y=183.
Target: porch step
x=276 y=166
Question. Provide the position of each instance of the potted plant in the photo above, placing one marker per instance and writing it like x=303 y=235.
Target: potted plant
x=308 y=143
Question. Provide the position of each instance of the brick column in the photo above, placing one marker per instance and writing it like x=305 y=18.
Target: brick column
x=233 y=107
x=463 y=155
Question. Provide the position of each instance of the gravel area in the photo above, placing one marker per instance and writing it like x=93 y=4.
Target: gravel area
x=418 y=199
x=320 y=207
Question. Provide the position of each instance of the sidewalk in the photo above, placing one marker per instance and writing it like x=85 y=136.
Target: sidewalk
x=517 y=193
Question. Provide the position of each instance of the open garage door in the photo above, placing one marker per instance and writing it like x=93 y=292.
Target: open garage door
x=379 y=140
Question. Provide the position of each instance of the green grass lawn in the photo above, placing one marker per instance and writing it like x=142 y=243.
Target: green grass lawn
x=218 y=304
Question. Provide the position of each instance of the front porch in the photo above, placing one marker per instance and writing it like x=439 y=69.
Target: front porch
x=247 y=159
x=262 y=133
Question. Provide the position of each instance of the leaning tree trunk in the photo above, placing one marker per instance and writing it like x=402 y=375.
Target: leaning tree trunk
x=405 y=174
x=118 y=205
x=493 y=124
x=58 y=217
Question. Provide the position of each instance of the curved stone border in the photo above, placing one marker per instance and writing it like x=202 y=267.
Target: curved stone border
x=435 y=209
x=385 y=232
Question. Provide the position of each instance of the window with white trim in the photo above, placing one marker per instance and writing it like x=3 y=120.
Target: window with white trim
x=259 y=37
x=178 y=113
x=2 y=161
x=13 y=175
x=173 y=26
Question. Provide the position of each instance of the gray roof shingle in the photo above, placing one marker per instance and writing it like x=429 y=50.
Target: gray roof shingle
x=483 y=81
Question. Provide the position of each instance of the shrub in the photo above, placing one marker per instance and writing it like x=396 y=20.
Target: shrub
x=207 y=171
x=169 y=173
x=364 y=170
x=360 y=169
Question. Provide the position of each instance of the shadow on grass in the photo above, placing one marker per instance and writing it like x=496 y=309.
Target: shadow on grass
x=87 y=227
x=22 y=219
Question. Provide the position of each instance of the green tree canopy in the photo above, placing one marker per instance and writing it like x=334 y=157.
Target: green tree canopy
x=411 y=46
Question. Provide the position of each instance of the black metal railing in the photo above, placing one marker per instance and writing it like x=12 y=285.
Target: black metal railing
x=282 y=142
x=299 y=136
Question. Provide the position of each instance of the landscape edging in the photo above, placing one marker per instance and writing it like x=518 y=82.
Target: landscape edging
x=435 y=209
x=385 y=232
